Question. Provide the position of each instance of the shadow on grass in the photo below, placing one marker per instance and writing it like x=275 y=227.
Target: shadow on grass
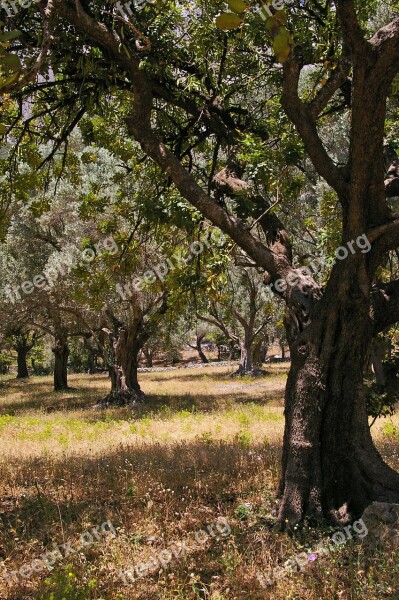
x=51 y=500
x=219 y=377
x=37 y=396
x=50 y=401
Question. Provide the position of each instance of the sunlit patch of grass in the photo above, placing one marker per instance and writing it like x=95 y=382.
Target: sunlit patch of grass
x=391 y=430
x=6 y=420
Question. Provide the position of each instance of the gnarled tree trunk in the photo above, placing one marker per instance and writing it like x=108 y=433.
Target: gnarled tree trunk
x=121 y=351
x=125 y=388
x=330 y=464
x=23 y=342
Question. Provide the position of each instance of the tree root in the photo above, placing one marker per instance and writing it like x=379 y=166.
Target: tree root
x=121 y=398
x=252 y=373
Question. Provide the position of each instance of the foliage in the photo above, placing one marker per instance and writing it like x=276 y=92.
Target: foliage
x=381 y=402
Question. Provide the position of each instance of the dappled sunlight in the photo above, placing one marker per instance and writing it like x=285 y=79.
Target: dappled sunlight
x=46 y=423
x=200 y=447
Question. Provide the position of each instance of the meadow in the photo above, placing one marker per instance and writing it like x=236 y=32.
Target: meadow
x=202 y=447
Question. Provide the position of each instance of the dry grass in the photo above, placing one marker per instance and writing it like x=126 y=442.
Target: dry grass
x=202 y=447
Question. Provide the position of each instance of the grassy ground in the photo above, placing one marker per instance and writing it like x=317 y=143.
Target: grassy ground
x=203 y=447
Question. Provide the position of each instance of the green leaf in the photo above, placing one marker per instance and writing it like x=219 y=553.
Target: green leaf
x=237 y=6
x=12 y=62
x=3 y=129
x=6 y=81
x=272 y=26
x=282 y=44
x=281 y=17
x=227 y=21
x=6 y=36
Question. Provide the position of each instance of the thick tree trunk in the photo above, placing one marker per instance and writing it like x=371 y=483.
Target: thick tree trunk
x=330 y=465
x=61 y=352
x=22 y=367
x=246 y=365
x=91 y=356
x=125 y=388
x=23 y=343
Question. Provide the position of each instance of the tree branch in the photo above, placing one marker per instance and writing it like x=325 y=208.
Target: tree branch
x=352 y=33
x=302 y=116
x=26 y=76
x=139 y=126
x=336 y=80
x=386 y=43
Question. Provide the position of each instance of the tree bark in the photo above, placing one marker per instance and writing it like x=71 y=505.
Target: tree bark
x=61 y=352
x=282 y=346
x=245 y=365
x=377 y=357
x=126 y=345
x=22 y=367
x=259 y=352
x=24 y=341
x=330 y=465
x=91 y=362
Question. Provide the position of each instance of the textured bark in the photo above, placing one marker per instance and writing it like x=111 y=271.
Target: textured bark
x=330 y=465
x=126 y=345
x=246 y=365
x=122 y=345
